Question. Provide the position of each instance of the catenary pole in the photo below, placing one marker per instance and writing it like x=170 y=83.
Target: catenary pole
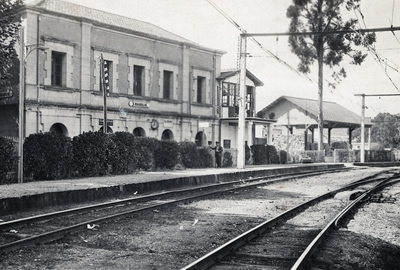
x=242 y=104
x=362 y=146
x=362 y=152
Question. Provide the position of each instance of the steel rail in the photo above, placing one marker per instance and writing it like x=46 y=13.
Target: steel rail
x=60 y=233
x=217 y=254
x=73 y=211
x=312 y=247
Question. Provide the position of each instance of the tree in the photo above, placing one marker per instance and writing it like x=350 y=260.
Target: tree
x=9 y=35
x=326 y=49
x=385 y=131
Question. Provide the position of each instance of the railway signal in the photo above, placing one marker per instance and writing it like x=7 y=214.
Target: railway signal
x=7 y=94
x=105 y=87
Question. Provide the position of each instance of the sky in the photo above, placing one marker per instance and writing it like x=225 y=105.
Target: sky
x=200 y=22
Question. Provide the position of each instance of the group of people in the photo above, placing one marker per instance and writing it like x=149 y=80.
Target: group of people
x=218 y=152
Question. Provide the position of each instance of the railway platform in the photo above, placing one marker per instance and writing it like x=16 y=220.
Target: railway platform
x=30 y=195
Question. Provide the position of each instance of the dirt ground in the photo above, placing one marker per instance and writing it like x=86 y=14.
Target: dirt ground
x=174 y=237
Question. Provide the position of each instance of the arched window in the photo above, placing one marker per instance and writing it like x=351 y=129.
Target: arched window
x=167 y=135
x=200 y=139
x=109 y=130
x=139 y=132
x=59 y=129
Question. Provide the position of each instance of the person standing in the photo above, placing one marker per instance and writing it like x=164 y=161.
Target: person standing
x=218 y=154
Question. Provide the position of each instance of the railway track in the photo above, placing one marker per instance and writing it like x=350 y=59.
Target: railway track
x=18 y=233
x=289 y=240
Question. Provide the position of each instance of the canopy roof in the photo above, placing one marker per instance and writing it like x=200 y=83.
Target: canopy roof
x=335 y=115
x=232 y=72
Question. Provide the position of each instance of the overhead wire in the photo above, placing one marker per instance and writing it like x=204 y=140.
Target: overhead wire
x=392 y=21
x=374 y=52
x=379 y=60
x=243 y=31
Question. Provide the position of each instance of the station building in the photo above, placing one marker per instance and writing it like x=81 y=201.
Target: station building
x=161 y=85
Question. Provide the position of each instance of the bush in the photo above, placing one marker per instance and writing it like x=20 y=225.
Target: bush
x=47 y=156
x=283 y=156
x=227 y=160
x=189 y=155
x=259 y=154
x=144 y=149
x=272 y=155
x=8 y=159
x=206 y=158
x=91 y=151
x=340 y=145
x=121 y=159
x=166 y=154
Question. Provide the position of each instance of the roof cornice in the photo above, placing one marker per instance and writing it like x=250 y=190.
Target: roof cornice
x=118 y=28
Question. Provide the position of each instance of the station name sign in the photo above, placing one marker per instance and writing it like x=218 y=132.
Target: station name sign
x=138 y=104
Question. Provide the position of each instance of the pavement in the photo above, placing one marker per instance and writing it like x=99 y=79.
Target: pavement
x=24 y=196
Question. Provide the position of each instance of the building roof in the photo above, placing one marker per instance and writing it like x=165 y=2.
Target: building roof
x=334 y=114
x=232 y=72
x=106 y=18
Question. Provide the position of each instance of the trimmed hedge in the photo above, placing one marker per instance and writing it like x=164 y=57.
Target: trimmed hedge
x=91 y=151
x=47 y=156
x=166 y=154
x=206 y=158
x=272 y=155
x=265 y=154
x=144 y=149
x=283 y=156
x=259 y=154
x=189 y=155
x=121 y=159
x=8 y=159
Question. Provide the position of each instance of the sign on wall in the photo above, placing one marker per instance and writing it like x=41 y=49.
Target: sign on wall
x=168 y=124
x=109 y=122
x=138 y=104
x=204 y=124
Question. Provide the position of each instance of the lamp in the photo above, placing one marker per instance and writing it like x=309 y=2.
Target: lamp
x=21 y=116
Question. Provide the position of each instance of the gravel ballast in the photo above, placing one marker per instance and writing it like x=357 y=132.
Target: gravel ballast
x=171 y=238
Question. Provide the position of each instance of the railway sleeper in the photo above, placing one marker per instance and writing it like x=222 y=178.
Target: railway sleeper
x=259 y=259
x=247 y=266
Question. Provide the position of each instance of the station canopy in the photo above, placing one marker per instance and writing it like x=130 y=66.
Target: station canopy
x=335 y=115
